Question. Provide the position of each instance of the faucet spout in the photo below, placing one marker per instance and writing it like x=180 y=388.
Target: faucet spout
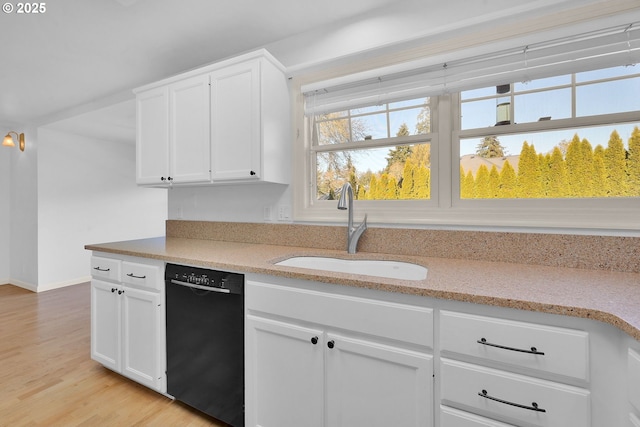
x=353 y=233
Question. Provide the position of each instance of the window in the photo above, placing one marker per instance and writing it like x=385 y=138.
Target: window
x=382 y=150
x=568 y=161
x=481 y=142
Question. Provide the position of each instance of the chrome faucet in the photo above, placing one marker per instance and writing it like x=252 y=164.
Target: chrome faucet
x=353 y=233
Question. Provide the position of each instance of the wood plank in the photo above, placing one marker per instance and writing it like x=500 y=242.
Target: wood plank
x=47 y=377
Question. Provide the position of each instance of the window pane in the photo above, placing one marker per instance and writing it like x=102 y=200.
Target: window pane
x=616 y=96
x=478 y=93
x=410 y=122
x=401 y=172
x=478 y=114
x=374 y=127
x=334 y=132
x=531 y=107
x=591 y=162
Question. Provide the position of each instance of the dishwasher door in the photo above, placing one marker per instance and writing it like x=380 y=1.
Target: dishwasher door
x=205 y=346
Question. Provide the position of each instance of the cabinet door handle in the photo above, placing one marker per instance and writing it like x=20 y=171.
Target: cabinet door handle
x=113 y=290
x=533 y=350
x=252 y=173
x=331 y=344
x=533 y=407
x=162 y=178
x=101 y=269
x=120 y=292
x=136 y=277
x=314 y=340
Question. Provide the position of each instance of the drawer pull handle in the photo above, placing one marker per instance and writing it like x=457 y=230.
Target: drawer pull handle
x=533 y=350
x=136 y=277
x=533 y=407
x=101 y=269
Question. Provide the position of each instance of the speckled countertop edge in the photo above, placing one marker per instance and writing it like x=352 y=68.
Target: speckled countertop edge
x=606 y=296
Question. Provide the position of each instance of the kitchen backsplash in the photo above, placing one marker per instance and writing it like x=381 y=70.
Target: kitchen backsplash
x=560 y=250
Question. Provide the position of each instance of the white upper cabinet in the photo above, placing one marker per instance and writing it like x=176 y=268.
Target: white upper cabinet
x=152 y=136
x=227 y=122
x=189 y=130
x=235 y=122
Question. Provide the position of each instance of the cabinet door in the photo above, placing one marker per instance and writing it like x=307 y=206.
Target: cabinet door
x=105 y=323
x=189 y=127
x=141 y=332
x=235 y=122
x=284 y=374
x=371 y=384
x=152 y=136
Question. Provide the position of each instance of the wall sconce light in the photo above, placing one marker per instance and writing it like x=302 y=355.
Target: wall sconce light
x=8 y=140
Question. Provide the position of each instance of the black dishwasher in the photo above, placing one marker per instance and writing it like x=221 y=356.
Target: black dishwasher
x=205 y=340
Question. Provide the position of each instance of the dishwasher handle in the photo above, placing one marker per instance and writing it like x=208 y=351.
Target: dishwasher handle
x=204 y=288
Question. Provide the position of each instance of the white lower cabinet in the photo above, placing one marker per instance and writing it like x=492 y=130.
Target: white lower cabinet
x=514 y=398
x=127 y=321
x=285 y=374
x=308 y=371
x=450 y=417
x=372 y=384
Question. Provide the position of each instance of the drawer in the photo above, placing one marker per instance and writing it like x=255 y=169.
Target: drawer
x=493 y=393
x=633 y=372
x=105 y=268
x=566 y=351
x=142 y=275
x=450 y=417
x=402 y=322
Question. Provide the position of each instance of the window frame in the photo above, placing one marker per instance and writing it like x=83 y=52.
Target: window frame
x=445 y=209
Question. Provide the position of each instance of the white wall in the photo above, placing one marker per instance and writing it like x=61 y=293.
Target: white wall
x=5 y=209
x=24 y=211
x=87 y=194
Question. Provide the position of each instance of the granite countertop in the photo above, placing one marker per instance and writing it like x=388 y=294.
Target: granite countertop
x=607 y=296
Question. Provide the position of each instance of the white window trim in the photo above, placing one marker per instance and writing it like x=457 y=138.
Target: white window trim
x=446 y=211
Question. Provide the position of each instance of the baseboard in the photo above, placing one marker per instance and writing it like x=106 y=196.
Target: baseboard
x=24 y=285
x=50 y=286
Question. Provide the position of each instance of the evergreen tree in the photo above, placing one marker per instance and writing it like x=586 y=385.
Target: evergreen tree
x=599 y=173
x=406 y=190
x=467 y=187
x=633 y=163
x=481 y=190
x=490 y=147
x=556 y=180
x=390 y=188
x=615 y=162
x=507 y=181
x=587 y=186
x=373 y=193
x=494 y=182
x=574 y=167
x=422 y=183
x=362 y=193
x=528 y=183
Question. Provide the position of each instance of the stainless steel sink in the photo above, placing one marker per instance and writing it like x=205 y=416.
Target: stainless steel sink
x=369 y=267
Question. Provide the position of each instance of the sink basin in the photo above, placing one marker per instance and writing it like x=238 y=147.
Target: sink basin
x=369 y=267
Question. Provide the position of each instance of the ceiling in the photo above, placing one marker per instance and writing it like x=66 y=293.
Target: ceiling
x=79 y=52
x=73 y=67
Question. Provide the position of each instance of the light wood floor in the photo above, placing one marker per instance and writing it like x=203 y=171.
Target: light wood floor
x=47 y=377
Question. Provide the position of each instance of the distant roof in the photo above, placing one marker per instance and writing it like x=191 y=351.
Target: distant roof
x=471 y=162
